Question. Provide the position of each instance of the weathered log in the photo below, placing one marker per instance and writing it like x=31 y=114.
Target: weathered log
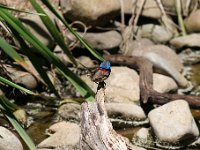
x=147 y=93
x=97 y=132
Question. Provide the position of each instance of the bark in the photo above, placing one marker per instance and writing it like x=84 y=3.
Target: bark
x=97 y=132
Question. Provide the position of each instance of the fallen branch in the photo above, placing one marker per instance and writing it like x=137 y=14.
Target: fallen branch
x=97 y=132
x=147 y=93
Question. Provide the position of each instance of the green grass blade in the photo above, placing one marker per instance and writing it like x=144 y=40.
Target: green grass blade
x=11 y=52
x=53 y=30
x=16 y=57
x=7 y=82
x=6 y=111
x=82 y=41
x=22 y=11
x=80 y=85
x=36 y=63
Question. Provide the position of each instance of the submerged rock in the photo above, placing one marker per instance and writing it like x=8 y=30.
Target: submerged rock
x=8 y=141
x=143 y=137
x=173 y=123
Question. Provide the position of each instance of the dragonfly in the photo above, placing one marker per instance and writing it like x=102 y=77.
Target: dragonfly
x=102 y=72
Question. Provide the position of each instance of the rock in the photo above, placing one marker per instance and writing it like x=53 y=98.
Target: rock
x=156 y=33
x=163 y=87
x=61 y=55
x=66 y=136
x=21 y=77
x=164 y=60
x=136 y=147
x=86 y=61
x=141 y=44
x=138 y=44
x=189 y=57
x=125 y=111
x=143 y=133
x=191 y=40
x=164 y=52
x=150 y=8
x=20 y=115
x=70 y=111
x=100 y=40
x=90 y=12
x=187 y=7
x=36 y=26
x=192 y=24
x=8 y=141
x=170 y=125
x=143 y=137
x=121 y=86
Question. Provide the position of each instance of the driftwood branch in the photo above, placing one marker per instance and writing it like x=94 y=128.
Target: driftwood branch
x=97 y=132
x=147 y=93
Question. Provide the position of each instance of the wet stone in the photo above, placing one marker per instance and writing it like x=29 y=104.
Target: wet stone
x=143 y=137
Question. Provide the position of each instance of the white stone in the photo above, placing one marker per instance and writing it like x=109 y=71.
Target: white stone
x=173 y=122
x=125 y=111
x=90 y=12
x=143 y=133
x=8 y=141
x=191 y=40
x=156 y=33
x=143 y=137
x=66 y=136
x=163 y=84
x=121 y=86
